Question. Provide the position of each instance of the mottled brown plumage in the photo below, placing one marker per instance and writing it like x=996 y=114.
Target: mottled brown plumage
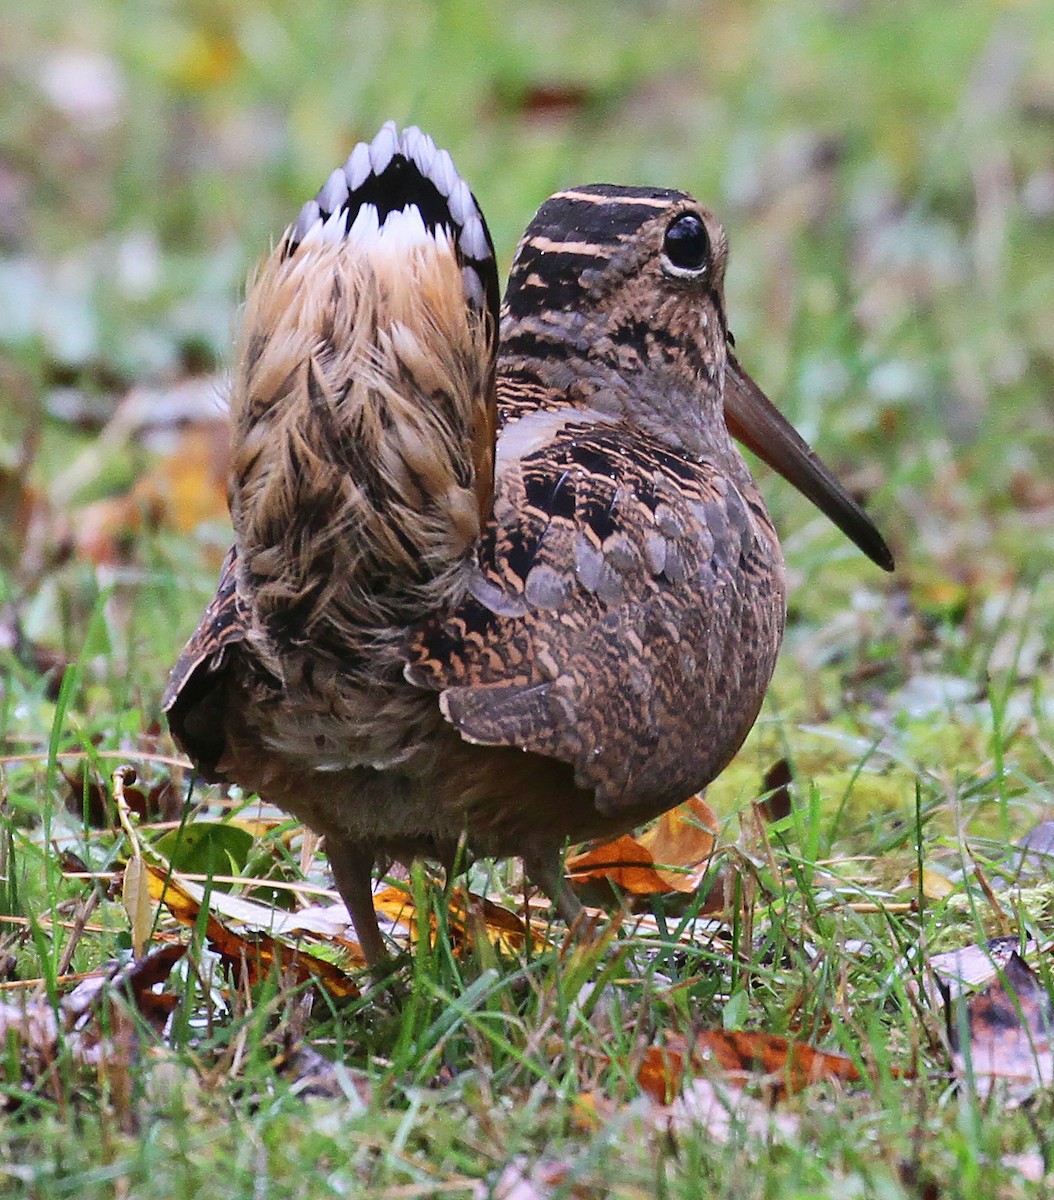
x=423 y=635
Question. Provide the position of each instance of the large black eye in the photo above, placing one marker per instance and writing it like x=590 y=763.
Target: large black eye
x=687 y=244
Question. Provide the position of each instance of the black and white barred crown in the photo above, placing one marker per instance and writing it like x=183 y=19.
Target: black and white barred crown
x=402 y=189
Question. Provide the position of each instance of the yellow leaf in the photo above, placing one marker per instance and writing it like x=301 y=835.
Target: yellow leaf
x=135 y=894
x=256 y=955
x=934 y=885
x=468 y=915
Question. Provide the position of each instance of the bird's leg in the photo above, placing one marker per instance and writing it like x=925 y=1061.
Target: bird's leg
x=546 y=871
x=353 y=873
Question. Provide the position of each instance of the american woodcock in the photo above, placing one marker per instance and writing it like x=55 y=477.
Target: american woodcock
x=500 y=582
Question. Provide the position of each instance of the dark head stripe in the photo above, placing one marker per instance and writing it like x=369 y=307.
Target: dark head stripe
x=574 y=233
x=600 y=212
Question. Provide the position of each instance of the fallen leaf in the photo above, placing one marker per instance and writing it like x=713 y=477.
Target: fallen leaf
x=88 y=799
x=737 y=1056
x=469 y=916
x=672 y=855
x=328 y=923
x=775 y=790
x=92 y=1024
x=258 y=955
x=133 y=980
x=207 y=848
x=934 y=885
x=141 y=977
x=553 y=100
x=190 y=483
x=1007 y=1031
x=135 y=893
x=970 y=967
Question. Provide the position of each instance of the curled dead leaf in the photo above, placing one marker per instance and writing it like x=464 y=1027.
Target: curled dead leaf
x=775 y=788
x=258 y=955
x=135 y=892
x=672 y=855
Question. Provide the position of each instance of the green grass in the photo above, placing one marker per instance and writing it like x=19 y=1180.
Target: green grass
x=885 y=176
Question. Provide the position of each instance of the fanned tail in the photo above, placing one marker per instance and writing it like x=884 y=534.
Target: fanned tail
x=363 y=413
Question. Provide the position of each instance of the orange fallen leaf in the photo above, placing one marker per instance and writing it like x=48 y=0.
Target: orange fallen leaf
x=670 y=856
x=191 y=483
x=142 y=976
x=787 y=1066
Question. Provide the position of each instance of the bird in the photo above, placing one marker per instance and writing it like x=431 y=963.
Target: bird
x=501 y=580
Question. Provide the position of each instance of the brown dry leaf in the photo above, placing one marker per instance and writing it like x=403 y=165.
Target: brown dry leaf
x=135 y=980
x=256 y=956
x=88 y=799
x=470 y=916
x=670 y=856
x=775 y=787
x=142 y=976
x=1009 y=1034
x=553 y=101
x=736 y=1056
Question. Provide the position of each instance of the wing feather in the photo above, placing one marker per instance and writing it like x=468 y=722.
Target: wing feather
x=609 y=624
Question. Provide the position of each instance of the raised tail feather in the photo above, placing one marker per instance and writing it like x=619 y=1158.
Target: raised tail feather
x=363 y=411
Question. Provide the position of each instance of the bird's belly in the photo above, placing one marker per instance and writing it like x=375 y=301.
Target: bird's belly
x=383 y=767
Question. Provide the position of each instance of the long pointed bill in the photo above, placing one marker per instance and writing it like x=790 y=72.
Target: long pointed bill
x=755 y=421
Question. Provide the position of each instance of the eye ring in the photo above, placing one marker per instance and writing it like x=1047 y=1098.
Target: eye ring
x=686 y=245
